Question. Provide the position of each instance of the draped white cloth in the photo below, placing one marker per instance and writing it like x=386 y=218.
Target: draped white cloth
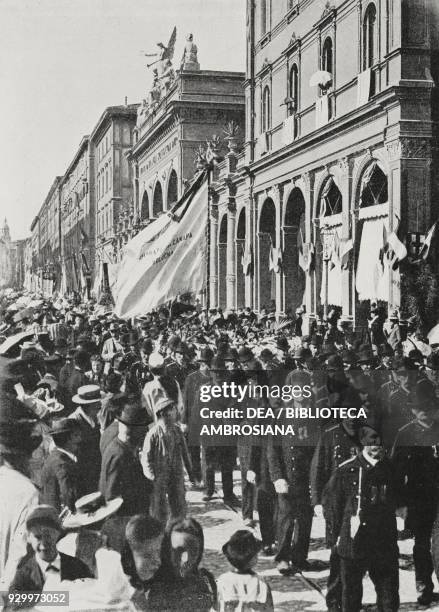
x=334 y=269
x=372 y=276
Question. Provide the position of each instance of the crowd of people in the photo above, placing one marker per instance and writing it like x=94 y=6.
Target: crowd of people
x=100 y=440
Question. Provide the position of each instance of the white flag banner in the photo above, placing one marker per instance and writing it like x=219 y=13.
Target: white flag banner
x=167 y=258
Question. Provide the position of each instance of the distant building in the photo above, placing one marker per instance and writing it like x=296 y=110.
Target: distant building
x=111 y=140
x=78 y=216
x=5 y=255
x=18 y=248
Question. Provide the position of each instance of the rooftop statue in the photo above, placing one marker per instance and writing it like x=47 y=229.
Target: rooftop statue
x=165 y=53
x=189 y=60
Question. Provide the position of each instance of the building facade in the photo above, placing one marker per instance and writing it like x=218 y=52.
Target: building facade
x=339 y=152
x=173 y=126
x=112 y=139
x=50 y=239
x=18 y=248
x=5 y=255
x=78 y=216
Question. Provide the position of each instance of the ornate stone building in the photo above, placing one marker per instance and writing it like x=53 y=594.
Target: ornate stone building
x=340 y=147
x=180 y=113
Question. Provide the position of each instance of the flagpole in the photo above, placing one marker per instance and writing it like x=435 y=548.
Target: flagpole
x=208 y=246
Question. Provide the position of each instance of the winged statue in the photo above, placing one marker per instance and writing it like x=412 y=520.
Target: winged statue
x=165 y=53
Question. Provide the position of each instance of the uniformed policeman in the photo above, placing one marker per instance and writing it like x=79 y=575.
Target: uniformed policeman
x=416 y=460
x=337 y=444
x=289 y=460
x=360 y=503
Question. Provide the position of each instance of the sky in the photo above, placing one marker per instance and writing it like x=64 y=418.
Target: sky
x=62 y=62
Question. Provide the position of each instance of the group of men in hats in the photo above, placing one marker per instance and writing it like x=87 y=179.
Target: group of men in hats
x=122 y=417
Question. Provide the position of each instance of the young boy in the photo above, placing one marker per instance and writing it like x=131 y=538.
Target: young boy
x=242 y=589
x=43 y=531
x=163 y=456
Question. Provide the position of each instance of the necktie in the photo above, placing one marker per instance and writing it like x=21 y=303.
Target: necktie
x=51 y=568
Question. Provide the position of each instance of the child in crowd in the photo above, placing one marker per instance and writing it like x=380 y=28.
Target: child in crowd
x=43 y=559
x=141 y=557
x=164 y=456
x=242 y=589
x=180 y=585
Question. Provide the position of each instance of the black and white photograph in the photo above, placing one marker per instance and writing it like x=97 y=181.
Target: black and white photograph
x=219 y=305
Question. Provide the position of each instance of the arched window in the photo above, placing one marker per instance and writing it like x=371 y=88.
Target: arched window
x=369 y=36
x=293 y=88
x=327 y=56
x=266 y=109
x=374 y=187
x=330 y=200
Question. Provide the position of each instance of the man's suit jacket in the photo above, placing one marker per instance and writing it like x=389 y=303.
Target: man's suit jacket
x=29 y=576
x=59 y=481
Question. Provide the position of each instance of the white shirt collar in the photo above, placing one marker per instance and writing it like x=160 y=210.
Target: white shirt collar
x=66 y=452
x=369 y=459
x=44 y=564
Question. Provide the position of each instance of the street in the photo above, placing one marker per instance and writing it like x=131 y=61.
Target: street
x=289 y=593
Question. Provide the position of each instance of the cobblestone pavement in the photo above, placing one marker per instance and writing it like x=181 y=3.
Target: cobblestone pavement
x=289 y=593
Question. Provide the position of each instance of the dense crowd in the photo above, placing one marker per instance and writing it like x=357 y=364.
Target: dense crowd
x=100 y=439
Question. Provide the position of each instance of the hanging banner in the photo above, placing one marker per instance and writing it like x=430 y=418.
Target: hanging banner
x=167 y=258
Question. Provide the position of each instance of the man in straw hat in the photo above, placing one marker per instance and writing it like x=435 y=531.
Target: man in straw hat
x=88 y=401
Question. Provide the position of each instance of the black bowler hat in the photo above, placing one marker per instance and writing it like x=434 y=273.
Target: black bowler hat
x=282 y=344
x=206 y=355
x=245 y=354
x=133 y=415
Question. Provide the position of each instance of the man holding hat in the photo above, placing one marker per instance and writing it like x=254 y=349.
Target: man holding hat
x=43 y=531
x=121 y=472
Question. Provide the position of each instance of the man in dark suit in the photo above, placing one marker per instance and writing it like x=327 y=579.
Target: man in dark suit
x=43 y=559
x=88 y=401
x=60 y=475
x=121 y=473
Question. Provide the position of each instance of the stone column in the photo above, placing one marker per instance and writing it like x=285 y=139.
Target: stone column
x=213 y=280
x=250 y=237
x=231 y=255
x=277 y=194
